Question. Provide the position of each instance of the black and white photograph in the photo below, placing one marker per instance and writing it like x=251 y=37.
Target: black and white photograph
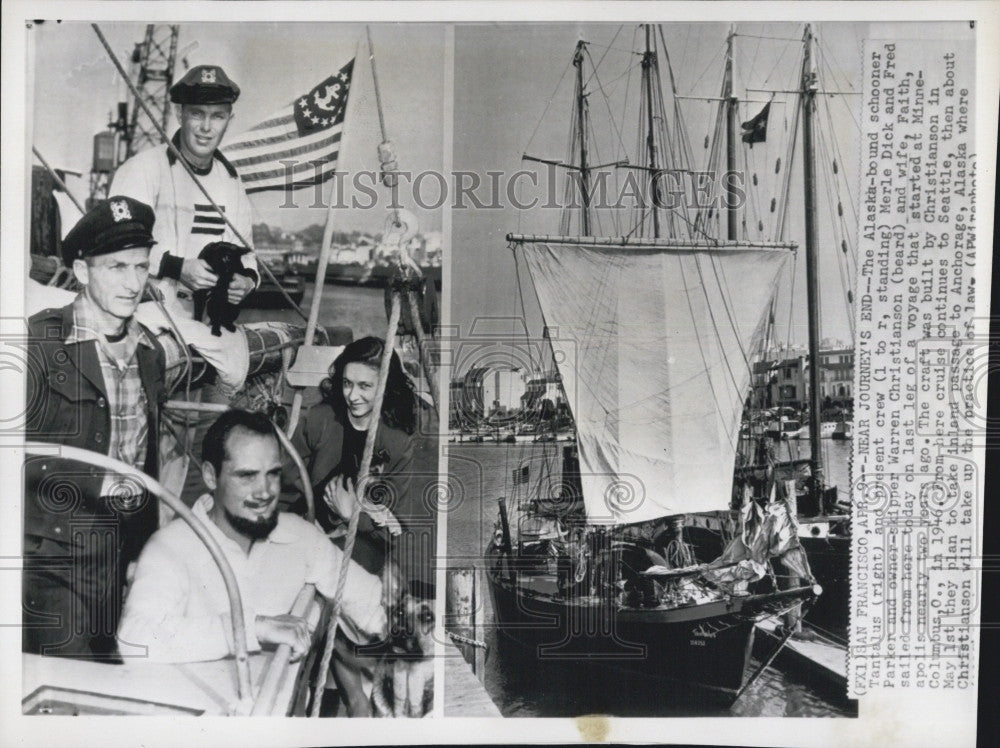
x=231 y=410
x=672 y=535
x=501 y=371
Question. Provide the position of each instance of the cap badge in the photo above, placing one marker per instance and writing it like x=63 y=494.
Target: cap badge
x=120 y=211
x=208 y=75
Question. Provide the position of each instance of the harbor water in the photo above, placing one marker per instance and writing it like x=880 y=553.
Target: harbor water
x=479 y=474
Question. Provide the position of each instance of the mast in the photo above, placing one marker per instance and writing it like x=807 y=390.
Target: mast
x=732 y=213
x=581 y=113
x=812 y=261
x=648 y=62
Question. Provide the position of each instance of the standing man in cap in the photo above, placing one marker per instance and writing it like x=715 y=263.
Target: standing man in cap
x=95 y=381
x=185 y=220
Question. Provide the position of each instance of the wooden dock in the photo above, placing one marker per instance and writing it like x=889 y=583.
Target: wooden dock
x=464 y=695
x=820 y=658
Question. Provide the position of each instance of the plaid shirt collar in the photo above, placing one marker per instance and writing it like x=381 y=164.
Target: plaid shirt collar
x=85 y=328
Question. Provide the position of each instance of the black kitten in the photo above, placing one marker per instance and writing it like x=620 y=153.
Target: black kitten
x=224 y=259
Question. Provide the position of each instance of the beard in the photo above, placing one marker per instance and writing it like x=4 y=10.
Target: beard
x=255 y=529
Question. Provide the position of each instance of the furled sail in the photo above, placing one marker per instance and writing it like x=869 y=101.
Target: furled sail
x=652 y=343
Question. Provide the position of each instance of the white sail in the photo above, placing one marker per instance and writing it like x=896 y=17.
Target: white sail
x=652 y=344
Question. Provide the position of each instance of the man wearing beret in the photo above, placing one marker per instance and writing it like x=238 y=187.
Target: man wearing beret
x=185 y=220
x=95 y=381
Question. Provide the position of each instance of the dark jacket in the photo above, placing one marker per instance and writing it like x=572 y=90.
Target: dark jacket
x=319 y=439
x=67 y=404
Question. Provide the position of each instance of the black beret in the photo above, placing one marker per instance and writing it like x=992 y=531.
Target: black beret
x=110 y=226
x=204 y=84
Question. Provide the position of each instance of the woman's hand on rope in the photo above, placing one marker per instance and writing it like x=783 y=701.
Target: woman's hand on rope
x=341 y=496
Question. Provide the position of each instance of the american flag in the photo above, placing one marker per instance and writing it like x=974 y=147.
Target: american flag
x=305 y=135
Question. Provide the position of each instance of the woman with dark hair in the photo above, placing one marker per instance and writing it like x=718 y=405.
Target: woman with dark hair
x=331 y=440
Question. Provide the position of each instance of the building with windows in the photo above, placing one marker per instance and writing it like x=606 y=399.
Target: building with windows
x=785 y=383
x=836 y=375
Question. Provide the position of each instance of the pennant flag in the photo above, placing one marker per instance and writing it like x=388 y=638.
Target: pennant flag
x=296 y=146
x=755 y=131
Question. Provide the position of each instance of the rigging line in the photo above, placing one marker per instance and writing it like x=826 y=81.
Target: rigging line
x=701 y=351
x=826 y=53
x=715 y=328
x=548 y=104
x=679 y=121
x=828 y=180
x=712 y=161
x=625 y=108
x=849 y=258
x=839 y=156
x=789 y=163
x=606 y=50
x=638 y=211
x=726 y=295
x=606 y=46
x=712 y=61
x=607 y=102
x=752 y=196
x=845 y=289
x=791 y=303
x=850 y=110
x=565 y=219
x=781 y=56
x=773 y=38
x=753 y=60
x=612 y=84
x=714 y=240
x=674 y=147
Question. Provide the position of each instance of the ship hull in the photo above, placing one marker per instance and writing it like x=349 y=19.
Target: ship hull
x=704 y=648
x=830 y=562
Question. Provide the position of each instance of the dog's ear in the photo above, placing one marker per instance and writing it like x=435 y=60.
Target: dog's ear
x=393 y=584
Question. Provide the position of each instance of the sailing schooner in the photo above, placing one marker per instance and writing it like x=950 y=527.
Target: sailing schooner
x=638 y=563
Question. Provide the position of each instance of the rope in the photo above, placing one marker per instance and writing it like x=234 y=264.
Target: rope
x=378 y=105
x=458 y=638
x=187 y=167
x=352 y=526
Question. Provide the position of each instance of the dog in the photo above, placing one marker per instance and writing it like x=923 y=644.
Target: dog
x=224 y=259
x=403 y=683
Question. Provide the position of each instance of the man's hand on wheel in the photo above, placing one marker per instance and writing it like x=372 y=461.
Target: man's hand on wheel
x=284 y=629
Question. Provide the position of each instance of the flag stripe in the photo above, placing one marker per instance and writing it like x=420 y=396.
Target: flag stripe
x=210 y=219
x=241 y=163
x=276 y=144
x=281 y=118
x=206 y=230
x=287 y=134
x=272 y=183
x=298 y=168
x=208 y=208
x=305 y=135
x=312 y=182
